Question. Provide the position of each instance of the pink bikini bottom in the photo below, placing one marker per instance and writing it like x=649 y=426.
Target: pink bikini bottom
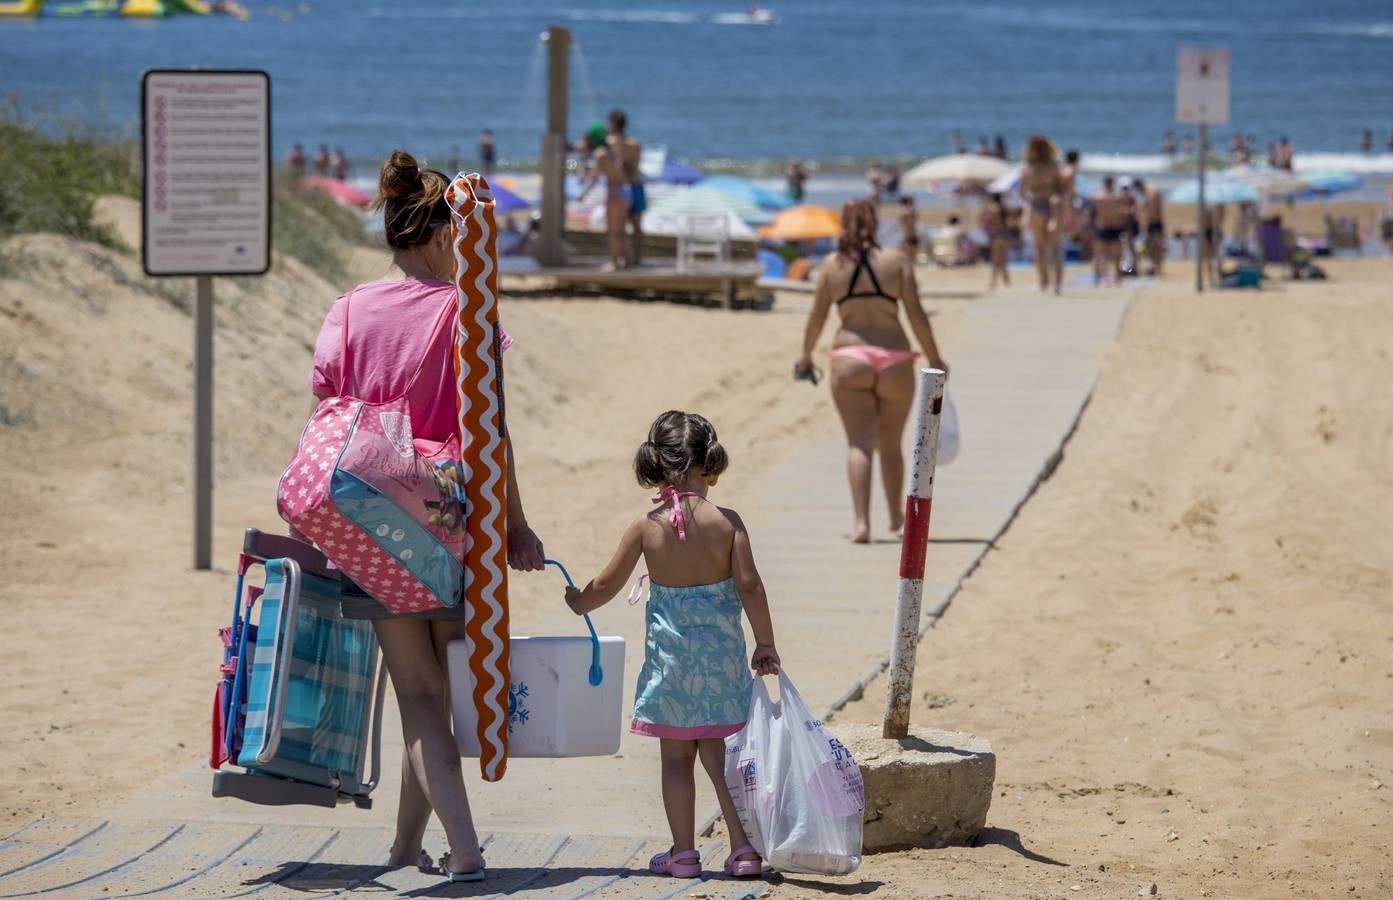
x=878 y=358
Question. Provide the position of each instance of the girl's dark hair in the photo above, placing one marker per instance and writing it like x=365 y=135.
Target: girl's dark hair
x=412 y=200
x=859 y=226
x=678 y=443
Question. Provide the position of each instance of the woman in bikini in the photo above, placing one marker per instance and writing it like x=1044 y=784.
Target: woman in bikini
x=872 y=376
x=1043 y=190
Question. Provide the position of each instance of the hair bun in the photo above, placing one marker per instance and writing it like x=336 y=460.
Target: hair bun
x=400 y=177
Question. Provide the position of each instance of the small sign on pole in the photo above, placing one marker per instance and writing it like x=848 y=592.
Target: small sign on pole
x=1202 y=98
x=205 y=211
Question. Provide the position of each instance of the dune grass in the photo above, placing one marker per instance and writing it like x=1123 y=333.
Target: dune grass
x=52 y=181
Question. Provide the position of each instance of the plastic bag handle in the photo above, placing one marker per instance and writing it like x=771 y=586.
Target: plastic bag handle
x=597 y=674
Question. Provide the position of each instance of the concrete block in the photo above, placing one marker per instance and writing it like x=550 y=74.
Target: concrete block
x=930 y=789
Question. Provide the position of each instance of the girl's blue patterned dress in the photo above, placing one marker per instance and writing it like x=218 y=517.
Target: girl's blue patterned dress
x=695 y=681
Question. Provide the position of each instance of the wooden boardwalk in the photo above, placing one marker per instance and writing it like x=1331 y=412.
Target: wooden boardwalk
x=1023 y=369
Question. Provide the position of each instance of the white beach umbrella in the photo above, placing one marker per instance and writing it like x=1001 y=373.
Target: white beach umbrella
x=962 y=168
x=702 y=200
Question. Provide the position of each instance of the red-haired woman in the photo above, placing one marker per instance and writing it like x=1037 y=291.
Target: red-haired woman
x=872 y=376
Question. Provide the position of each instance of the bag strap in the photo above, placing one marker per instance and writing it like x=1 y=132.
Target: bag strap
x=344 y=367
x=446 y=316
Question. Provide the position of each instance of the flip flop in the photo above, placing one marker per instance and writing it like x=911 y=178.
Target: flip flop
x=473 y=875
x=686 y=864
x=744 y=868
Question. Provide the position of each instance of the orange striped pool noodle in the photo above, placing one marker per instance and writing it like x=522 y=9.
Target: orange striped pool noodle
x=479 y=390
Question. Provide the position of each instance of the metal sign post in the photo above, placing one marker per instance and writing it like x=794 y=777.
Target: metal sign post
x=1202 y=97
x=205 y=211
x=914 y=547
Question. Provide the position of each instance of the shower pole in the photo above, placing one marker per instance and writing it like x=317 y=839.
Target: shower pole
x=549 y=249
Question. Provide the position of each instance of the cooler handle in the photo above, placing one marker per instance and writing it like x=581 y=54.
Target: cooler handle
x=597 y=674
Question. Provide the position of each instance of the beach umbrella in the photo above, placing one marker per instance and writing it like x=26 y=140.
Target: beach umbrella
x=702 y=200
x=341 y=191
x=1083 y=185
x=959 y=168
x=1320 y=185
x=1216 y=190
x=675 y=171
x=746 y=189
x=804 y=223
x=505 y=201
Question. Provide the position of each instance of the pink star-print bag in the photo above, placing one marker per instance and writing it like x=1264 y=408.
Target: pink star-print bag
x=386 y=508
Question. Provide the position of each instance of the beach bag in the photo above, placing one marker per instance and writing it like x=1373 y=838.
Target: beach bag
x=949 y=437
x=796 y=789
x=386 y=508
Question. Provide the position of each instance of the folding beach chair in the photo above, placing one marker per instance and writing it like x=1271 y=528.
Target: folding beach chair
x=299 y=707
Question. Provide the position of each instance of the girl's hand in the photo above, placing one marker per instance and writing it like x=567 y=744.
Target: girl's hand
x=524 y=549
x=765 y=660
x=573 y=596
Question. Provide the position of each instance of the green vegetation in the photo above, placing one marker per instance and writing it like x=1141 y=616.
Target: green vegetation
x=51 y=184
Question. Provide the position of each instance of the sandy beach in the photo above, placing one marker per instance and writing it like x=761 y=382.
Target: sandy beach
x=1180 y=650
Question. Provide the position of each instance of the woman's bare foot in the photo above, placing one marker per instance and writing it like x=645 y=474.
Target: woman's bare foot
x=896 y=522
x=861 y=534
x=420 y=859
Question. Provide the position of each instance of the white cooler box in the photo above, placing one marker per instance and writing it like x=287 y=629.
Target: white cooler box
x=553 y=709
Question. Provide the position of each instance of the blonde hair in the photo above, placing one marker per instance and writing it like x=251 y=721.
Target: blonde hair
x=412 y=200
x=1040 y=149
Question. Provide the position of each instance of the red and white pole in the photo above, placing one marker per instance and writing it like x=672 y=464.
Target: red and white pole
x=913 y=548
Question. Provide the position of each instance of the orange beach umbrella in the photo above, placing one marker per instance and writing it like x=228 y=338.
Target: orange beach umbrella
x=804 y=223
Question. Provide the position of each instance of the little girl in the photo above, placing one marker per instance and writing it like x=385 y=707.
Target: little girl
x=693 y=690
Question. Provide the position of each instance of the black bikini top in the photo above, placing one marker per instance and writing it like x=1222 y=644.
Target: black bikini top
x=863 y=265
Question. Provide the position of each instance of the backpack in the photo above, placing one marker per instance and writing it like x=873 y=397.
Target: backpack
x=385 y=507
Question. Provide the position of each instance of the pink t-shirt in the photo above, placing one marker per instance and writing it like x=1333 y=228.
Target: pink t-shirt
x=394 y=329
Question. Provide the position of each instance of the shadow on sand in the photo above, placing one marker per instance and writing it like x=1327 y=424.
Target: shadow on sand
x=1011 y=840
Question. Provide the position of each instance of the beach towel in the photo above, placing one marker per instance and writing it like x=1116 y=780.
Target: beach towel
x=482 y=435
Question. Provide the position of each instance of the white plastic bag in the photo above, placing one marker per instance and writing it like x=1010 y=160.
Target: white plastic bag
x=949 y=440
x=797 y=790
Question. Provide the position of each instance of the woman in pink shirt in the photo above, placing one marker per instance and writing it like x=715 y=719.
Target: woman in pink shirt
x=380 y=340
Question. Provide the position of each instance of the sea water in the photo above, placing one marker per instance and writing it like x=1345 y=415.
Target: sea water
x=830 y=80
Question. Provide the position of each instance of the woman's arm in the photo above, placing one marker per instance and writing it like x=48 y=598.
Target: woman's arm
x=919 y=320
x=817 y=318
x=613 y=576
x=524 y=547
x=765 y=659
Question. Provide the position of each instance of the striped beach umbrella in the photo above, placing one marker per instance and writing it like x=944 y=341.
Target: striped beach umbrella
x=479 y=389
x=1216 y=190
x=702 y=200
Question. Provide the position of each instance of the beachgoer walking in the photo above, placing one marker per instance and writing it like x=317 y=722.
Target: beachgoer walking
x=1366 y=142
x=338 y=163
x=1110 y=216
x=999 y=148
x=875 y=179
x=295 y=163
x=1168 y=143
x=321 y=161
x=1068 y=177
x=397 y=341
x=872 y=379
x=1042 y=188
x=1286 y=154
x=1152 y=212
x=891 y=181
x=627 y=151
x=797 y=178
x=693 y=690
x=909 y=227
x=488 y=153
x=604 y=164
x=996 y=222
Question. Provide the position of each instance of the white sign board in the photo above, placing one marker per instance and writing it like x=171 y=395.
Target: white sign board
x=206 y=207
x=1202 y=85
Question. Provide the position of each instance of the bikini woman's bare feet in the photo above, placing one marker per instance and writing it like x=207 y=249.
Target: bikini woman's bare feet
x=896 y=522
x=861 y=533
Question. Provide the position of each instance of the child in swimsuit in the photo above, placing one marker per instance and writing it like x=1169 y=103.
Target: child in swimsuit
x=693 y=690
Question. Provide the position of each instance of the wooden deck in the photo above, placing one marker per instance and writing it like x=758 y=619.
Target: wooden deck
x=734 y=284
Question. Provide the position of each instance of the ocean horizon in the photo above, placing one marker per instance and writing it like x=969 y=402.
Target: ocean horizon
x=833 y=81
